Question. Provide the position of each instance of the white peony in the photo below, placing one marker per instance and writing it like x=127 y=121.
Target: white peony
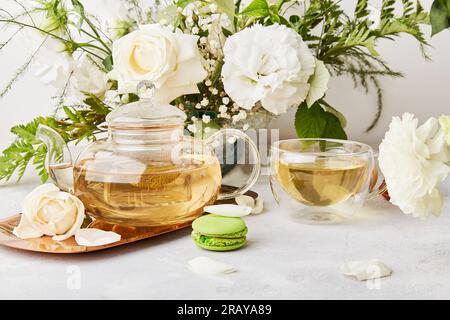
x=154 y=53
x=49 y=211
x=412 y=160
x=268 y=64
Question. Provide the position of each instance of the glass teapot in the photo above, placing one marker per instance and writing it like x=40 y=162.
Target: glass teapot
x=146 y=173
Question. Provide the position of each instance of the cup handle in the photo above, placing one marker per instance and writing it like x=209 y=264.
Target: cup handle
x=234 y=134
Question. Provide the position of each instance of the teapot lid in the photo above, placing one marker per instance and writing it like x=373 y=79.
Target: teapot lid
x=145 y=112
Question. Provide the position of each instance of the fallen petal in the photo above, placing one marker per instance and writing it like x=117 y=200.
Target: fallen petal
x=366 y=269
x=208 y=266
x=259 y=206
x=229 y=210
x=95 y=237
x=25 y=230
x=244 y=200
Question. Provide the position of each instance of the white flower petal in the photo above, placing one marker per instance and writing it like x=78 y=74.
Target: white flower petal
x=87 y=77
x=78 y=222
x=191 y=69
x=228 y=210
x=242 y=89
x=245 y=201
x=259 y=206
x=445 y=124
x=25 y=230
x=52 y=64
x=366 y=269
x=163 y=96
x=187 y=47
x=95 y=237
x=208 y=266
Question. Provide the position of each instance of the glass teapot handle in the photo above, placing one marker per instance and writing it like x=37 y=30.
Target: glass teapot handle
x=232 y=136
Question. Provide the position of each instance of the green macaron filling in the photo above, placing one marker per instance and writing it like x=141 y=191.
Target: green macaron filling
x=209 y=241
x=233 y=235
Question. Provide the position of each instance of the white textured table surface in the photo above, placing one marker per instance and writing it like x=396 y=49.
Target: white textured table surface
x=283 y=260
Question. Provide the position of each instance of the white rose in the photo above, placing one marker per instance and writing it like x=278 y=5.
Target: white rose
x=170 y=60
x=412 y=160
x=268 y=64
x=49 y=211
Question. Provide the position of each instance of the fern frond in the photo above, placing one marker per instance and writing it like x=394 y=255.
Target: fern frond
x=80 y=122
x=361 y=10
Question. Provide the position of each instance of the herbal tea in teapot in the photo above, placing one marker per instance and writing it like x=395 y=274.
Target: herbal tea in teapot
x=156 y=194
x=146 y=172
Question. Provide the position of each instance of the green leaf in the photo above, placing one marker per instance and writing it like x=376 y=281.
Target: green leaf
x=71 y=115
x=257 y=8
x=226 y=32
x=333 y=129
x=96 y=104
x=275 y=18
x=78 y=6
x=108 y=63
x=310 y=123
x=440 y=16
x=226 y=6
x=315 y=122
x=183 y=3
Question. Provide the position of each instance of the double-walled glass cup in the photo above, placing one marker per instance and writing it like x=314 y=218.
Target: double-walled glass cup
x=321 y=180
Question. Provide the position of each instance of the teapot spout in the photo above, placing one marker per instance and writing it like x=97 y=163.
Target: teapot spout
x=59 y=160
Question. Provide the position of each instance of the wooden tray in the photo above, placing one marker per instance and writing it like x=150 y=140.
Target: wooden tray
x=128 y=234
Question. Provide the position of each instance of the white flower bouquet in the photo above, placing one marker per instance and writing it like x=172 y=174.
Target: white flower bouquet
x=220 y=61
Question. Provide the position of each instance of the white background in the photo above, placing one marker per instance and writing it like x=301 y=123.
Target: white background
x=424 y=91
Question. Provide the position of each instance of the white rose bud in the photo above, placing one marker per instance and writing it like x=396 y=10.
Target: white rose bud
x=49 y=211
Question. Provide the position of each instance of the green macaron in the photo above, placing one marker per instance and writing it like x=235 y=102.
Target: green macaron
x=219 y=233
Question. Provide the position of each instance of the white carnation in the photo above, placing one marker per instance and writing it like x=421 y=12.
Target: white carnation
x=268 y=64
x=412 y=160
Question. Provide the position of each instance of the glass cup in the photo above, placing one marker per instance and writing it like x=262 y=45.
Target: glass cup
x=321 y=180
